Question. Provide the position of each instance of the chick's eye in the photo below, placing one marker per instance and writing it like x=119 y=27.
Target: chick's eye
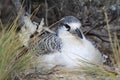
x=67 y=27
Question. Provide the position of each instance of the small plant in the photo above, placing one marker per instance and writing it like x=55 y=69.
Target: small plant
x=13 y=56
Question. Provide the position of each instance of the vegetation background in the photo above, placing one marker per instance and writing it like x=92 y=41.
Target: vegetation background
x=92 y=13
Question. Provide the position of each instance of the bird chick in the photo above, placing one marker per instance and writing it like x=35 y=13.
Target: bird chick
x=67 y=47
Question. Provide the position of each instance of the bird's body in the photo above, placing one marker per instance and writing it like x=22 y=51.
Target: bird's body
x=72 y=53
x=68 y=47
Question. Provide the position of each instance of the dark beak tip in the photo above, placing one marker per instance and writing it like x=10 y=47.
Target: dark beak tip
x=79 y=33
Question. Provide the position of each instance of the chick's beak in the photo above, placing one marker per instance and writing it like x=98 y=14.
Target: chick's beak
x=79 y=33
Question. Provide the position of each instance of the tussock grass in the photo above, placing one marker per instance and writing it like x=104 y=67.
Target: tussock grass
x=14 y=58
x=116 y=51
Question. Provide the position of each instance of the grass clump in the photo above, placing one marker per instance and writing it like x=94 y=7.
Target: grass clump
x=12 y=60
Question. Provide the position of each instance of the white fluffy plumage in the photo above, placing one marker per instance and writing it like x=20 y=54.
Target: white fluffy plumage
x=75 y=50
